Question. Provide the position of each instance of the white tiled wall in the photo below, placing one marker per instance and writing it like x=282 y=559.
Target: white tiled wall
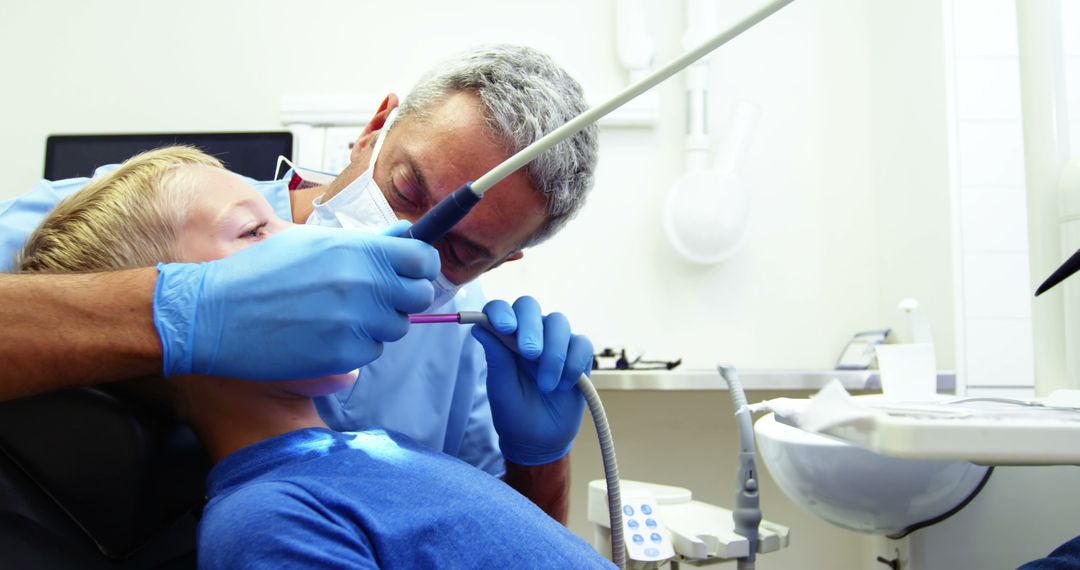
x=995 y=310
x=984 y=28
x=996 y=282
x=995 y=356
x=982 y=226
x=1070 y=38
x=990 y=150
x=998 y=353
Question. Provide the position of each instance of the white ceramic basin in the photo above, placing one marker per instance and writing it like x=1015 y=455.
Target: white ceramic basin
x=858 y=489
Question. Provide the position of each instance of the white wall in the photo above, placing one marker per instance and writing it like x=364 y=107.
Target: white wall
x=995 y=310
x=910 y=175
x=807 y=280
x=847 y=166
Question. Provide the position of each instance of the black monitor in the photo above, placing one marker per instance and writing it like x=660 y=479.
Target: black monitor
x=250 y=154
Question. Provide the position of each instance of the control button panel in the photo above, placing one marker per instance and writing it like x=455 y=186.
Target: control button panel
x=646 y=538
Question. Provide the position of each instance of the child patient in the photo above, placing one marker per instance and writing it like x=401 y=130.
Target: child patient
x=285 y=491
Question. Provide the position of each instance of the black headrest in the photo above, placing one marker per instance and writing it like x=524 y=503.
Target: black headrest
x=121 y=472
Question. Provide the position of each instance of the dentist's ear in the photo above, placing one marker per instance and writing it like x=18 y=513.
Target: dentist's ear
x=371 y=130
x=512 y=257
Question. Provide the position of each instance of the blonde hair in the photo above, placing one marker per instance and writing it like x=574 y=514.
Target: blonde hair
x=129 y=218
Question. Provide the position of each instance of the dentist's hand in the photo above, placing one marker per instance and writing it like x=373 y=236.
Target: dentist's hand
x=535 y=404
x=305 y=303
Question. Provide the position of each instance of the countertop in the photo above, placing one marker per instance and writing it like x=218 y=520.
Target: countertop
x=776 y=380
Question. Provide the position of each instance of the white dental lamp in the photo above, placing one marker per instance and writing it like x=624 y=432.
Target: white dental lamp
x=707 y=210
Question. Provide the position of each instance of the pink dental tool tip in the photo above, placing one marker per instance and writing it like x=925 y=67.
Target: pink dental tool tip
x=434 y=318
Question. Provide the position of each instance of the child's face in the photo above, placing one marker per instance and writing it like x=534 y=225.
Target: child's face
x=228 y=215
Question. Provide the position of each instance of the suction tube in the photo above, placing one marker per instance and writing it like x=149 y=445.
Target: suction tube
x=603 y=433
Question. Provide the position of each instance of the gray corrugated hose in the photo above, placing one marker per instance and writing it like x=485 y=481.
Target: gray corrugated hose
x=747 y=513
x=603 y=433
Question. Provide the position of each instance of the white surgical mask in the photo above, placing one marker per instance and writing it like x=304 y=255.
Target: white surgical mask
x=362 y=205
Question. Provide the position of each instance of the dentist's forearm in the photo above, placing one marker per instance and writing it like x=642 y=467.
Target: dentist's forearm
x=548 y=486
x=59 y=331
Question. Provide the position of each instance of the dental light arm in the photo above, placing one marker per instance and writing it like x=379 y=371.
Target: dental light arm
x=450 y=210
x=438 y=221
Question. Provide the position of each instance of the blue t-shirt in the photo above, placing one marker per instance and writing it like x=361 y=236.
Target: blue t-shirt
x=315 y=498
x=1064 y=557
x=430 y=385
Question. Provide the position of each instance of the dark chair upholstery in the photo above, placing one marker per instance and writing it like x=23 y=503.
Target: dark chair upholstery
x=91 y=478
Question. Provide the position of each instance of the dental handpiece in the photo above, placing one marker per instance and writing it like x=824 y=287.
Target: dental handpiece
x=438 y=221
x=596 y=409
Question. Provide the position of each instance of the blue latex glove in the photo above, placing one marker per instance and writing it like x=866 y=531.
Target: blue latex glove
x=305 y=303
x=535 y=404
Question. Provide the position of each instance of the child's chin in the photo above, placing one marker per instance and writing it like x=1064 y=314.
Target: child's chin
x=325 y=385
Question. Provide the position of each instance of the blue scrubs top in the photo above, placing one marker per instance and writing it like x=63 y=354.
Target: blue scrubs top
x=430 y=385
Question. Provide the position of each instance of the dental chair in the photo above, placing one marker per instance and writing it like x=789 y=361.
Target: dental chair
x=97 y=477
x=93 y=478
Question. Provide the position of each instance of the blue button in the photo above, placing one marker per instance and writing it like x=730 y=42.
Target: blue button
x=655 y=537
x=638 y=539
x=651 y=523
x=646 y=509
x=629 y=511
x=652 y=552
x=632 y=523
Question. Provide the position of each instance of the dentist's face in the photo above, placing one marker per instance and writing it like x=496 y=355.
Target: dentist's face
x=424 y=159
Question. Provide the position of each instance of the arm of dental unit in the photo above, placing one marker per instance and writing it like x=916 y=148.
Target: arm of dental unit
x=433 y=225
x=747 y=513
